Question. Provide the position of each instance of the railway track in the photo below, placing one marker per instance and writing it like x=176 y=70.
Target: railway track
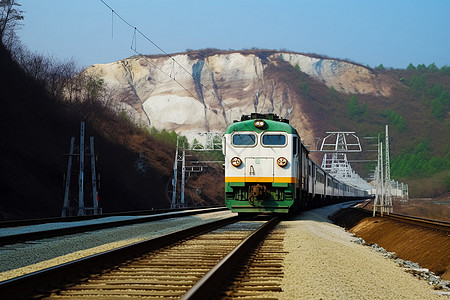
x=27 y=222
x=74 y=225
x=260 y=274
x=427 y=223
x=171 y=266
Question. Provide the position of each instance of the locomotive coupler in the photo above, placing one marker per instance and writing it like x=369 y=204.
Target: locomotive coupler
x=257 y=192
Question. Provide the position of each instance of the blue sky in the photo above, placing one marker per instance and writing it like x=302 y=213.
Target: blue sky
x=392 y=33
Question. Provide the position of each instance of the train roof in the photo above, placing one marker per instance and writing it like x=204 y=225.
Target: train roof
x=271 y=123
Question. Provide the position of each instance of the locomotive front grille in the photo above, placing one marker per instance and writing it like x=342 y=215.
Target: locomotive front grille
x=259 y=192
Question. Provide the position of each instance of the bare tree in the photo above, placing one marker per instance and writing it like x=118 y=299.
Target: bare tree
x=58 y=77
x=10 y=15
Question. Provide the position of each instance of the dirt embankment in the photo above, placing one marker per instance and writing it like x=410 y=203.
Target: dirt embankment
x=427 y=247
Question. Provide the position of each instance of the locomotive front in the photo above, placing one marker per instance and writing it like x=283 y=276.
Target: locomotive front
x=261 y=161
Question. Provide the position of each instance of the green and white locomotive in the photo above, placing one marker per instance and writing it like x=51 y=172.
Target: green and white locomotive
x=268 y=169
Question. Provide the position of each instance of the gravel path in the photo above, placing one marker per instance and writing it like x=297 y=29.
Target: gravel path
x=323 y=262
x=24 y=258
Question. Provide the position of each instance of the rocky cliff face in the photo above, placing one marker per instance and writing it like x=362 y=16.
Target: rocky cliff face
x=205 y=91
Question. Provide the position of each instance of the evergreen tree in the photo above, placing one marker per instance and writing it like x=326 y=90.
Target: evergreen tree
x=333 y=92
x=305 y=88
x=441 y=105
x=437 y=109
x=411 y=67
x=353 y=107
x=445 y=69
x=447 y=181
x=417 y=82
x=432 y=67
x=421 y=67
x=435 y=90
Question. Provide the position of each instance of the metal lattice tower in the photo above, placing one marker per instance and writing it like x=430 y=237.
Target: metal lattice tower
x=81 y=209
x=338 y=142
x=387 y=189
x=213 y=142
x=387 y=179
x=336 y=145
x=379 y=178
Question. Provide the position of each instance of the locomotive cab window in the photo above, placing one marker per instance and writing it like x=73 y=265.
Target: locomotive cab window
x=244 y=139
x=274 y=139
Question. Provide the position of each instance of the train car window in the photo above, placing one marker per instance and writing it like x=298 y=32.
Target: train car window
x=244 y=139
x=274 y=140
x=295 y=145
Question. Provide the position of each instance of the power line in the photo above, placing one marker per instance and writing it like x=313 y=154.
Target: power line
x=173 y=78
x=134 y=48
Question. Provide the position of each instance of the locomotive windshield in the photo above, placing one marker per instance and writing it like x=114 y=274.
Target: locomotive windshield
x=244 y=139
x=274 y=140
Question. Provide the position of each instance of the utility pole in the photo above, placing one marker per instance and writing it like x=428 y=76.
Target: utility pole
x=183 y=177
x=81 y=174
x=174 y=180
x=66 y=204
x=94 y=179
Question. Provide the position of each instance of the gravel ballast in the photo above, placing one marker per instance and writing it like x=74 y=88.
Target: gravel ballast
x=23 y=258
x=322 y=260
x=325 y=262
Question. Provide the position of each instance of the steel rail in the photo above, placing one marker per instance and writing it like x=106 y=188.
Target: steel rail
x=211 y=281
x=36 y=235
x=36 y=284
x=422 y=219
x=26 y=222
x=428 y=223
x=419 y=221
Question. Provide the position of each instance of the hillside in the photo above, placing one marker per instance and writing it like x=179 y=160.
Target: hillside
x=317 y=94
x=207 y=89
x=35 y=137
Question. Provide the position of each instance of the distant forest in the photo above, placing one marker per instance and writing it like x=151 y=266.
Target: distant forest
x=418 y=115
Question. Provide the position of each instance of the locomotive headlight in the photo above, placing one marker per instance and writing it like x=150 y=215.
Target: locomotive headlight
x=259 y=123
x=236 y=161
x=282 y=162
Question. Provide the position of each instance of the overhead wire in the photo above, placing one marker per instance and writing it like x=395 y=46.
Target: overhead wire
x=112 y=24
x=173 y=78
x=133 y=43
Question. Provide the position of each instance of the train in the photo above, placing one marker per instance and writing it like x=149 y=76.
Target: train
x=268 y=169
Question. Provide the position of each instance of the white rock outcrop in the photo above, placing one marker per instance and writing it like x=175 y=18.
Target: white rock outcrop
x=341 y=75
x=192 y=95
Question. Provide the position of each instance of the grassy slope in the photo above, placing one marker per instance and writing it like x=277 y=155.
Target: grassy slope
x=35 y=136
